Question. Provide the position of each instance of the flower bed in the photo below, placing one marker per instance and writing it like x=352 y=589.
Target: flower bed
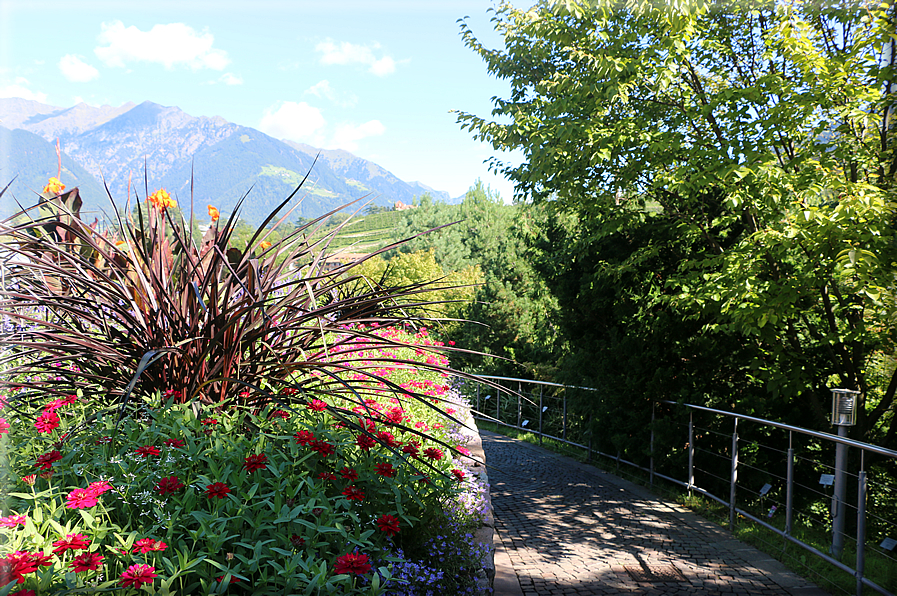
x=308 y=494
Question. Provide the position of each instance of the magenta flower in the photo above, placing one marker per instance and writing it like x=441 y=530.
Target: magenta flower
x=81 y=498
x=47 y=422
x=99 y=487
x=137 y=575
x=71 y=542
x=12 y=521
x=317 y=405
x=145 y=545
x=4 y=426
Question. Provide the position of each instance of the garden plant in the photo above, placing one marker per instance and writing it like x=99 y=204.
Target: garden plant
x=183 y=417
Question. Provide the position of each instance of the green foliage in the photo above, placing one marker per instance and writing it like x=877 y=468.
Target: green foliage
x=720 y=178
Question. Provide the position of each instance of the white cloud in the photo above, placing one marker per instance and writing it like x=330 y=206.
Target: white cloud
x=294 y=121
x=324 y=90
x=348 y=135
x=174 y=44
x=19 y=89
x=350 y=53
x=231 y=79
x=76 y=70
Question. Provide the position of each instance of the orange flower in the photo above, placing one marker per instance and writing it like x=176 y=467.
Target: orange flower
x=213 y=213
x=161 y=199
x=264 y=245
x=54 y=187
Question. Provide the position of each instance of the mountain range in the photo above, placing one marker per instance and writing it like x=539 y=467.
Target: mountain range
x=124 y=146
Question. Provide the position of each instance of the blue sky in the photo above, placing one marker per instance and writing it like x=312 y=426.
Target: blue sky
x=375 y=77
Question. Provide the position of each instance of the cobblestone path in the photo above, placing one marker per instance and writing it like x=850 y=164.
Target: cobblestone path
x=571 y=529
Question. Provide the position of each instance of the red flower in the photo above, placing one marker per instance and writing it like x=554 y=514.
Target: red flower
x=356 y=563
x=47 y=421
x=147 y=450
x=145 y=545
x=29 y=479
x=386 y=437
x=365 y=442
x=19 y=563
x=87 y=562
x=12 y=521
x=303 y=437
x=71 y=542
x=289 y=391
x=317 y=405
x=45 y=461
x=81 y=498
x=137 y=575
x=353 y=494
x=105 y=439
x=99 y=487
x=297 y=541
x=396 y=416
x=385 y=469
x=388 y=525
x=233 y=579
x=23 y=593
x=279 y=414
x=459 y=475
x=209 y=422
x=411 y=449
x=322 y=447
x=349 y=474
x=327 y=476
x=217 y=489
x=433 y=453
x=256 y=462
x=174 y=443
x=169 y=485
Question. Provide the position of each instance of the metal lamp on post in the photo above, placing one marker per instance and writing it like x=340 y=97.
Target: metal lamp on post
x=844 y=415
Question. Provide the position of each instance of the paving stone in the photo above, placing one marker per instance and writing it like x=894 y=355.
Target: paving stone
x=572 y=530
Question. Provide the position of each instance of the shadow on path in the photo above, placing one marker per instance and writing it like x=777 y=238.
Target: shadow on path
x=569 y=528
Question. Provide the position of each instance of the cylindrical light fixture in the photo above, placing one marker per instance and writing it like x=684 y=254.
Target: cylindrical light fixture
x=844 y=407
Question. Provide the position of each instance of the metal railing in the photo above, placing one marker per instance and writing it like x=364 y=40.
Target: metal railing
x=711 y=459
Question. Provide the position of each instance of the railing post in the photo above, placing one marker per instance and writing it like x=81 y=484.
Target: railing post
x=691 y=452
x=651 y=464
x=589 y=459
x=734 y=477
x=498 y=405
x=519 y=408
x=789 y=487
x=478 y=398
x=564 y=429
x=840 y=509
x=541 y=393
x=861 y=531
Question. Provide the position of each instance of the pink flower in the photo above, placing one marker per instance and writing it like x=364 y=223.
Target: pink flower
x=12 y=521
x=86 y=562
x=4 y=426
x=71 y=542
x=81 y=498
x=317 y=405
x=47 y=422
x=99 y=487
x=145 y=545
x=137 y=575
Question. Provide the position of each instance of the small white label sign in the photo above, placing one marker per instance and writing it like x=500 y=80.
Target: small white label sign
x=827 y=479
